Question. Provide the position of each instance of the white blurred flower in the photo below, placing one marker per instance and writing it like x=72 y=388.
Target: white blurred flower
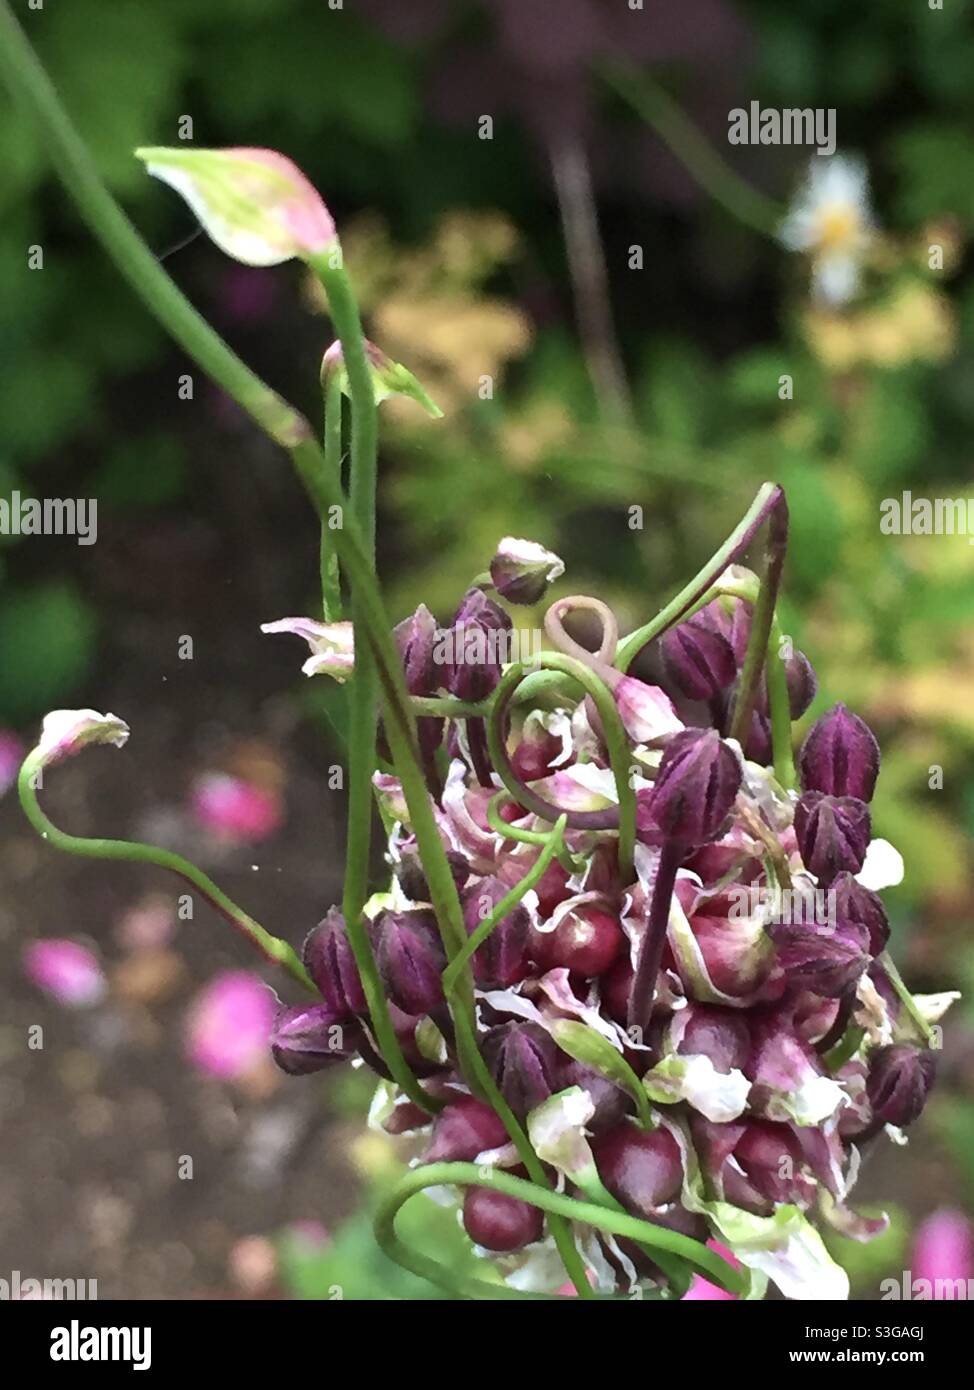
x=831 y=221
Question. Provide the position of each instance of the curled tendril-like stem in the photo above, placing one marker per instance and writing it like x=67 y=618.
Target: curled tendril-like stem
x=769 y=497
x=559 y=638
x=527 y=837
x=272 y=948
x=621 y=817
x=554 y=843
x=652 y=1237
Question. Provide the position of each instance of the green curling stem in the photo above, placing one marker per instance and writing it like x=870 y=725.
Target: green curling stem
x=657 y=1238
x=904 y=995
x=766 y=499
x=475 y=1068
x=272 y=948
x=446 y=707
x=673 y=126
x=331 y=592
x=552 y=847
x=845 y=1049
x=781 y=744
x=525 y=837
x=756 y=657
x=613 y=732
x=275 y=416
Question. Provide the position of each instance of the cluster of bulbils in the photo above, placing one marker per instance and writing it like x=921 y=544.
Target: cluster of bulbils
x=738 y=970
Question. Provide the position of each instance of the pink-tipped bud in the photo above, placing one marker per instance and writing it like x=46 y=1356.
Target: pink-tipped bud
x=388 y=378
x=255 y=204
x=66 y=731
x=521 y=571
x=332 y=645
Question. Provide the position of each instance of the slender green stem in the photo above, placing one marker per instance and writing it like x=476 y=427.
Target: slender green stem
x=475 y=1068
x=446 y=707
x=778 y=699
x=844 y=1050
x=276 y=417
x=618 y=1223
x=331 y=592
x=767 y=498
x=526 y=837
x=616 y=742
x=553 y=844
x=756 y=656
x=694 y=150
x=348 y=325
x=905 y=997
x=272 y=948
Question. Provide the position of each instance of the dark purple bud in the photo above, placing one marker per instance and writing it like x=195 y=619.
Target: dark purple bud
x=611 y=1105
x=405 y=1118
x=412 y=876
x=802 y=683
x=499 y=1222
x=310 y=1036
x=329 y=961
x=464 y=1129
x=587 y=940
x=525 y=1063
x=502 y=960
x=832 y=833
x=642 y=1169
x=698 y=779
x=758 y=746
x=475 y=648
x=859 y=910
x=411 y=960
x=826 y=963
x=415 y=639
x=522 y=570
x=536 y=754
x=767 y=1168
x=720 y=1034
x=735 y=625
x=698 y=660
x=899 y=1081
x=802 y=686
x=840 y=756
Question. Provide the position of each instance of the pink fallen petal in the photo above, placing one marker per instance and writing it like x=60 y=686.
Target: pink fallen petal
x=235 y=809
x=229 y=1024
x=943 y=1248
x=11 y=756
x=65 y=970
